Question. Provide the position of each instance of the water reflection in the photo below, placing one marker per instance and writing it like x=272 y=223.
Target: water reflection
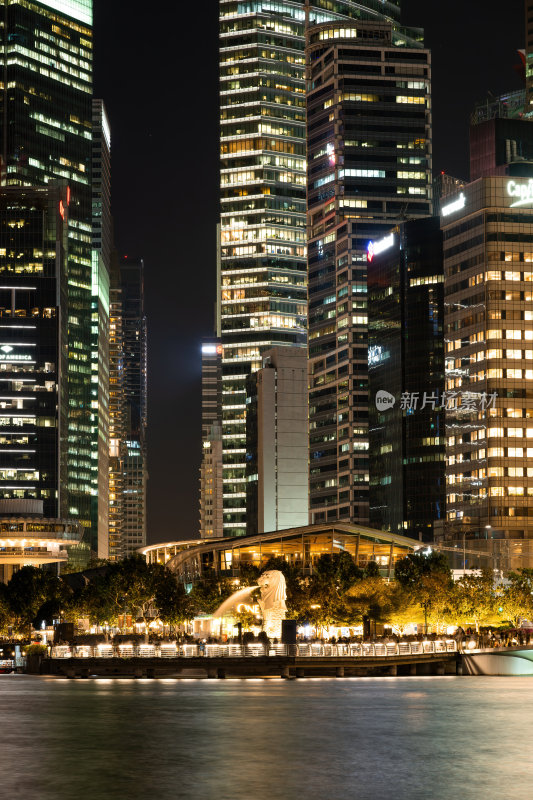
x=341 y=739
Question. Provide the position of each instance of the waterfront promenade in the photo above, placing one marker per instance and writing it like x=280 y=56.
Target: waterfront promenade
x=222 y=660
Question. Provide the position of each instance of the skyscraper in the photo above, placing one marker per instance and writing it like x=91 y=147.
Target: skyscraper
x=369 y=153
x=117 y=413
x=101 y=265
x=262 y=267
x=277 y=442
x=34 y=348
x=46 y=132
x=135 y=388
x=211 y=487
x=406 y=362
x=488 y=263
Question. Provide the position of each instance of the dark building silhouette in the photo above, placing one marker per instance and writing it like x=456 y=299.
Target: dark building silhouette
x=501 y=146
x=34 y=347
x=406 y=363
x=135 y=398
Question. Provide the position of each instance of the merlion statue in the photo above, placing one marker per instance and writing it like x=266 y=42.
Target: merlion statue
x=272 y=601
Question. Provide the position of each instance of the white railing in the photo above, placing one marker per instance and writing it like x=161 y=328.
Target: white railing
x=311 y=650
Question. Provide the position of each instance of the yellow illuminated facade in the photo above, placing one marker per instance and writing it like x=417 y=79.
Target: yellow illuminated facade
x=300 y=547
x=33 y=542
x=489 y=364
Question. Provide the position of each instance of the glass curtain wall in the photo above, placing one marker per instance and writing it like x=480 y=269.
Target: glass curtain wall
x=263 y=273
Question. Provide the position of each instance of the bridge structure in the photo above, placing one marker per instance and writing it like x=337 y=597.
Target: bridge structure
x=219 y=661
x=499 y=661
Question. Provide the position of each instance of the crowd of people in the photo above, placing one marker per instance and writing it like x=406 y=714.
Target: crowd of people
x=466 y=639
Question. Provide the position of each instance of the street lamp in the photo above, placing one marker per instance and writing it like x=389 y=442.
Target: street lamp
x=488 y=536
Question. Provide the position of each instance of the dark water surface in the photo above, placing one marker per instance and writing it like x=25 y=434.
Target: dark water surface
x=326 y=739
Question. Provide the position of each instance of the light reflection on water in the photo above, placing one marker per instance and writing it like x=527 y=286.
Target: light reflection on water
x=310 y=739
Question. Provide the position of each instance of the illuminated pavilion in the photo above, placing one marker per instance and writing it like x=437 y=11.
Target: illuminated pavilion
x=301 y=547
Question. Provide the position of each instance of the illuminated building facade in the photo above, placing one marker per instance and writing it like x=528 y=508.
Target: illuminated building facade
x=369 y=153
x=262 y=266
x=33 y=347
x=101 y=264
x=211 y=486
x=45 y=132
x=406 y=381
x=29 y=539
x=488 y=263
x=117 y=413
x=444 y=185
x=300 y=547
x=277 y=444
x=135 y=389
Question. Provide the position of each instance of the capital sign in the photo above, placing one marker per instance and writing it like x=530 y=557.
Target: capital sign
x=523 y=192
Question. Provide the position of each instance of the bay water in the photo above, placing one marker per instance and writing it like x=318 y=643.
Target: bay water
x=466 y=738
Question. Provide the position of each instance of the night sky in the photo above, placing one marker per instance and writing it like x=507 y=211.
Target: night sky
x=158 y=75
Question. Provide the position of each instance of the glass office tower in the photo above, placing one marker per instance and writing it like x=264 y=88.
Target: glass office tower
x=100 y=330
x=262 y=267
x=117 y=413
x=33 y=348
x=45 y=125
x=135 y=389
x=369 y=152
x=406 y=381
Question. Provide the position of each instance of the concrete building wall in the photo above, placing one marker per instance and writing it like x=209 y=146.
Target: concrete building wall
x=282 y=440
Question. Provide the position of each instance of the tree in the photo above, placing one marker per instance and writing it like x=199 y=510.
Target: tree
x=246 y=618
x=5 y=610
x=409 y=570
x=27 y=591
x=127 y=586
x=434 y=595
x=99 y=602
x=405 y=609
x=248 y=574
x=372 y=570
x=516 y=598
x=175 y=606
x=369 y=598
x=136 y=582
x=473 y=599
x=427 y=579
x=209 y=592
x=338 y=570
x=323 y=592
